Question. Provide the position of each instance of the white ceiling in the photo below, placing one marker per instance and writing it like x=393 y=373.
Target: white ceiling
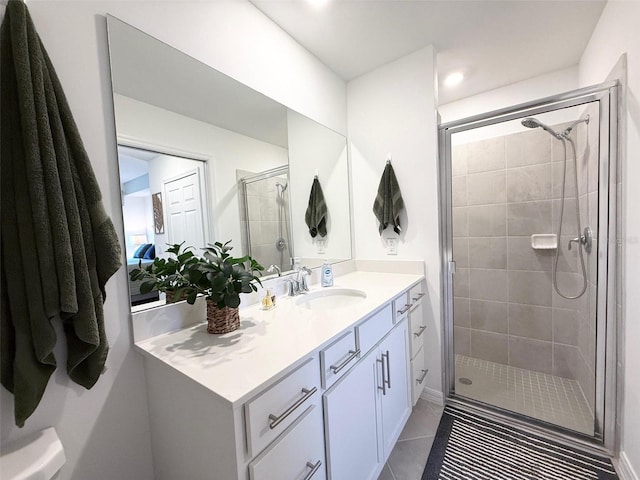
x=494 y=43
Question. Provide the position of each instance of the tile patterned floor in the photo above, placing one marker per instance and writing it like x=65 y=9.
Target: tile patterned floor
x=409 y=456
x=549 y=398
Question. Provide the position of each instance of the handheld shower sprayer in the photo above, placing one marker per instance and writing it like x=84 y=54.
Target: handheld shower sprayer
x=531 y=122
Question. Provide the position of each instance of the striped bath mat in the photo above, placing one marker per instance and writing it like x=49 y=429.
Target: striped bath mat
x=468 y=447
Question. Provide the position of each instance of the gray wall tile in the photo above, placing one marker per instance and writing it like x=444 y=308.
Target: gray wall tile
x=489 y=346
x=486 y=188
x=530 y=288
x=528 y=148
x=565 y=326
x=529 y=183
x=521 y=256
x=460 y=222
x=565 y=361
x=461 y=252
x=488 y=252
x=487 y=220
x=461 y=312
x=525 y=219
x=486 y=155
x=488 y=284
x=530 y=354
x=530 y=321
x=461 y=283
x=461 y=341
x=459 y=191
x=488 y=316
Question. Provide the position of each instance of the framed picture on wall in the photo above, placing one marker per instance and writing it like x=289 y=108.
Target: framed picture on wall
x=158 y=213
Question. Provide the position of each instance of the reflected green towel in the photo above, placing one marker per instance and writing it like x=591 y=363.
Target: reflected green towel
x=388 y=203
x=58 y=245
x=316 y=214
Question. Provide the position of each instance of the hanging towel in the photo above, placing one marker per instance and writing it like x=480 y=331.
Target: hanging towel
x=388 y=203
x=316 y=215
x=58 y=245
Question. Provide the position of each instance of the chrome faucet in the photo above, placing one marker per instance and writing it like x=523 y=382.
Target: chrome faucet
x=274 y=268
x=303 y=273
x=299 y=285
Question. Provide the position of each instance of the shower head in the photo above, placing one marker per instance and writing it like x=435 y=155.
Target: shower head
x=531 y=122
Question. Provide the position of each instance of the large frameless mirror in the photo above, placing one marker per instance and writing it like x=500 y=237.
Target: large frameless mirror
x=204 y=158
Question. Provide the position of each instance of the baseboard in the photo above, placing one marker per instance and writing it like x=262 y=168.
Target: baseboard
x=433 y=395
x=624 y=469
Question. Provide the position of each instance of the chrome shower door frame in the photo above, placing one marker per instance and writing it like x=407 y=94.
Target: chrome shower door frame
x=606 y=95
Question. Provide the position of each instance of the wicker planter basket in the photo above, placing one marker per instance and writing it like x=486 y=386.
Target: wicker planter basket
x=221 y=320
x=169 y=295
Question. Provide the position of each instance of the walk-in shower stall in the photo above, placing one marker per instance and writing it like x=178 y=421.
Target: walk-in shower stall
x=528 y=204
x=264 y=213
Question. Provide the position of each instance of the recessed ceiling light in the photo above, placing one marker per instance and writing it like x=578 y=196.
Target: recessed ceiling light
x=318 y=3
x=453 y=79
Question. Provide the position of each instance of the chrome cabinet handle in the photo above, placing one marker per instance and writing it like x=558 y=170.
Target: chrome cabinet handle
x=422 y=329
x=384 y=383
x=406 y=308
x=424 y=375
x=276 y=420
x=314 y=469
x=418 y=296
x=388 y=369
x=345 y=362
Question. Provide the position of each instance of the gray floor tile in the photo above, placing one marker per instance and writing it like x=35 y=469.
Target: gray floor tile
x=408 y=458
x=386 y=473
x=423 y=421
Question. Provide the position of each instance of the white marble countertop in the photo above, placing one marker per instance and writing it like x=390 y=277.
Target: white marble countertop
x=234 y=366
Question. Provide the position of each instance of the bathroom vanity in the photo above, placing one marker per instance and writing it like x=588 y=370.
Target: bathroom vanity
x=303 y=391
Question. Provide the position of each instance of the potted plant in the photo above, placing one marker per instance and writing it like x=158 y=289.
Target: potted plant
x=170 y=276
x=221 y=278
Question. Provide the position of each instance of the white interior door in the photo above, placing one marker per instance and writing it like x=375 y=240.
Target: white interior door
x=184 y=210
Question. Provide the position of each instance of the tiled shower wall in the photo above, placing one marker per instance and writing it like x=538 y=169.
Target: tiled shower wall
x=263 y=203
x=505 y=309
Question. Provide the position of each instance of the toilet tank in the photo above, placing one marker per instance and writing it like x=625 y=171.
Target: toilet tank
x=37 y=457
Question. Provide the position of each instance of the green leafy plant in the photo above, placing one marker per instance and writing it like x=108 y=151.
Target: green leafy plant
x=221 y=277
x=168 y=275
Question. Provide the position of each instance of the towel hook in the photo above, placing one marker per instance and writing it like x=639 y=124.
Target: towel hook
x=315 y=175
x=388 y=158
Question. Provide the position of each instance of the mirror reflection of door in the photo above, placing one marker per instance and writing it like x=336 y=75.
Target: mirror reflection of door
x=179 y=182
x=184 y=210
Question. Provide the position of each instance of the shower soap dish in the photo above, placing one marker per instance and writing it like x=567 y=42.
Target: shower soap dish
x=544 y=241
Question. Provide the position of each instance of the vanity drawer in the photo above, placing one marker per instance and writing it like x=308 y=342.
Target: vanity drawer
x=338 y=357
x=417 y=327
x=370 y=331
x=416 y=294
x=418 y=375
x=401 y=306
x=269 y=414
x=295 y=455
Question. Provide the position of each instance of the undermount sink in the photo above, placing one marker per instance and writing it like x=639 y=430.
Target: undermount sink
x=331 y=298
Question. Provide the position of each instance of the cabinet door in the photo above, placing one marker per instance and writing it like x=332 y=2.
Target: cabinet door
x=395 y=399
x=351 y=423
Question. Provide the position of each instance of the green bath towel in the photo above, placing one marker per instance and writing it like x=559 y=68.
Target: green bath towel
x=388 y=203
x=316 y=215
x=59 y=247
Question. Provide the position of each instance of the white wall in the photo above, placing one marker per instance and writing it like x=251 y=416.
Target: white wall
x=615 y=34
x=105 y=430
x=392 y=110
x=520 y=92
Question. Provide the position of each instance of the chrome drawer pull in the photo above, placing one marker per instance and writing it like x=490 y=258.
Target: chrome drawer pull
x=419 y=332
x=345 y=362
x=275 y=420
x=384 y=382
x=314 y=469
x=424 y=375
x=418 y=297
x=406 y=308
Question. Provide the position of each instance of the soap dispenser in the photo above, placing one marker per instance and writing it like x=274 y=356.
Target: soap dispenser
x=327 y=275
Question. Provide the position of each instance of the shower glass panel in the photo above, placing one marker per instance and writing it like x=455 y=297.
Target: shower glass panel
x=523 y=193
x=264 y=207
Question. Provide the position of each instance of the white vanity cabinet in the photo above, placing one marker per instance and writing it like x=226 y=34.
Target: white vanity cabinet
x=293 y=395
x=409 y=305
x=366 y=410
